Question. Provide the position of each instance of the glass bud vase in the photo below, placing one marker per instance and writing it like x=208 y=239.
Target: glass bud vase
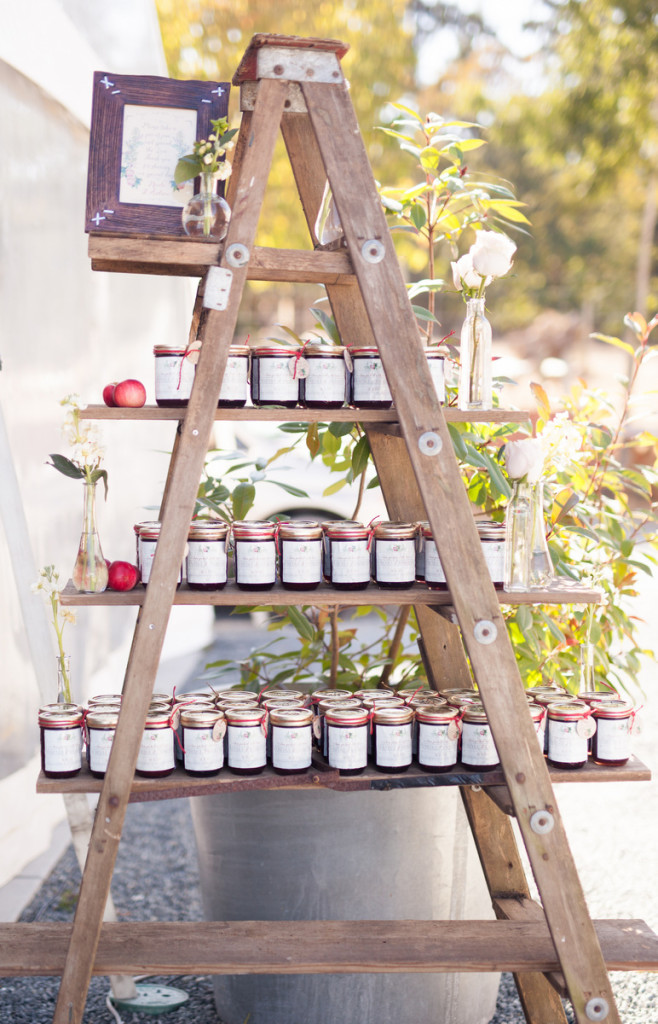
x=475 y=358
x=206 y=215
x=542 y=572
x=518 y=538
x=63 y=679
x=90 y=569
x=328 y=227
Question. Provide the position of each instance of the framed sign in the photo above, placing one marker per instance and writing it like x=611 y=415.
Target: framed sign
x=140 y=126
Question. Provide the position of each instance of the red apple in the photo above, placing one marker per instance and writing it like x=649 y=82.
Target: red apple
x=108 y=394
x=130 y=393
x=122 y=576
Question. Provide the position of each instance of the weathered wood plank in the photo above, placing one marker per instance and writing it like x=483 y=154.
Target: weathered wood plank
x=300 y=415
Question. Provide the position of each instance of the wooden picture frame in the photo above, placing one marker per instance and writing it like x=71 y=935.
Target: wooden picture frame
x=140 y=126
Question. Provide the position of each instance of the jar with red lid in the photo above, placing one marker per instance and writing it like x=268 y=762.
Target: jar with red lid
x=202 y=740
x=478 y=747
x=254 y=545
x=370 y=388
x=233 y=392
x=247 y=740
x=149 y=534
x=207 y=559
x=61 y=741
x=101 y=726
x=156 y=751
x=392 y=738
x=553 y=696
x=439 y=729
x=326 y=384
x=275 y=376
x=570 y=726
x=349 y=556
x=300 y=558
x=611 y=743
x=347 y=739
x=292 y=740
x=436 y=359
x=394 y=555
x=174 y=376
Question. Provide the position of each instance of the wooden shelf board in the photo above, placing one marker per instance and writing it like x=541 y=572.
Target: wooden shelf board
x=278 y=415
x=320 y=776
x=317 y=947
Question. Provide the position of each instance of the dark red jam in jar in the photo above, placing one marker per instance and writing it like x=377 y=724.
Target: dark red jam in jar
x=325 y=386
x=247 y=740
x=570 y=725
x=492 y=540
x=394 y=555
x=275 y=376
x=207 y=560
x=349 y=555
x=611 y=743
x=347 y=739
x=254 y=545
x=156 y=751
x=61 y=741
x=148 y=542
x=439 y=729
x=292 y=740
x=300 y=547
x=202 y=740
x=433 y=573
x=436 y=358
x=101 y=726
x=233 y=392
x=392 y=738
x=174 y=376
x=370 y=388
x=478 y=747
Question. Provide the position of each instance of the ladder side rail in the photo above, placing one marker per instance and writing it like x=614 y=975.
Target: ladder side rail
x=250 y=181
x=448 y=511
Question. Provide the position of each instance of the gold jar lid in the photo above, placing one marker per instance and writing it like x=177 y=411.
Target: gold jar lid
x=245 y=715
x=246 y=529
x=612 y=708
x=159 y=705
x=169 y=350
x=300 y=529
x=380 y=699
x=435 y=714
x=397 y=531
x=343 y=702
x=568 y=711
x=235 y=696
x=104 y=698
x=392 y=715
x=158 y=719
x=347 y=716
x=279 y=702
x=474 y=713
x=200 y=718
x=552 y=697
x=102 y=719
x=489 y=530
x=61 y=719
x=324 y=351
x=278 y=691
x=415 y=692
x=166 y=698
x=239 y=350
x=60 y=706
x=436 y=701
x=370 y=352
x=602 y=696
x=291 y=716
x=207 y=529
x=346 y=530
x=318 y=695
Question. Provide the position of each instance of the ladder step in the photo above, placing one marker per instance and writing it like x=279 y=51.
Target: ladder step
x=312 y=947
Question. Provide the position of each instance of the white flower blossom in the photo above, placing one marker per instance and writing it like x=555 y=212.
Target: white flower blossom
x=492 y=253
x=224 y=171
x=464 y=274
x=525 y=458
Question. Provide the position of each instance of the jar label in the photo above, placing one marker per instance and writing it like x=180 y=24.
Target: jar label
x=433 y=569
x=275 y=380
x=395 y=560
x=156 y=751
x=255 y=561
x=613 y=739
x=326 y=381
x=62 y=749
x=478 y=746
x=246 y=746
x=393 y=744
x=494 y=556
x=435 y=745
x=369 y=382
x=234 y=381
x=438 y=376
x=202 y=754
x=301 y=561
x=100 y=745
x=350 y=561
x=347 y=748
x=146 y=556
x=174 y=376
x=206 y=561
x=291 y=747
x=565 y=744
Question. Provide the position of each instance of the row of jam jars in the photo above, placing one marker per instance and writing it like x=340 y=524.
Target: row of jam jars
x=174 y=376
x=315 y=376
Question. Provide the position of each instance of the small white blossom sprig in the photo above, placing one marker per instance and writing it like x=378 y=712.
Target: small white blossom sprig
x=489 y=257
x=48 y=585
x=88 y=453
x=208 y=156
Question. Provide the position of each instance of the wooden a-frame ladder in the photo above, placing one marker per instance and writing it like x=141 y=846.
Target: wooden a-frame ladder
x=298 y=86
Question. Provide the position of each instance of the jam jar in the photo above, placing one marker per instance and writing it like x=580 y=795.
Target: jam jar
x=292 y=740
x=433 y=573
x=544 y=699
x=233 y=392
x=436 y=361
x=202 y=740
x=614 y=724
x=207 y=561
x=370 y=388
x=334 y=524
x=328 y=704
x=174 y=376
x=247 y=740
x=300 y=558
x=420 y=551
x=538 y=715
x=325 y=387
x=254 y=545
x=100 y=726
x=394 y=555
x=570 y=725
x=148 y=542
x=439 y=729
x=156 y=751
x=347 y=739
x=492 y=540
x=478 y=747
x=275 y=376
x=61 y=741
x=392 y=738
x=349 y=556
x=138 y=527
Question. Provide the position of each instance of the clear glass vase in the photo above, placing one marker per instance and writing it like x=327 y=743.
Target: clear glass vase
x=475 y=358
x=63 y=679
x=328 y=227
x=90 y=569
x=542 y=572
x=206 y=215
x=518 y=538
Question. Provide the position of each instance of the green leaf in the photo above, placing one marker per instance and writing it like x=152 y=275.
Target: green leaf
x=461 y=450
x=187 y=167
x=100 y=474
x=616 y=342
x=327 y=323
x=334 y=488
x=313 y=440
x=330 y=443
x=423 y=314
x=418 y=216
x=360 y=456
x=65 y=466
x=340 y=429
x=242 y=499
x=289 y=489
x=300 y=622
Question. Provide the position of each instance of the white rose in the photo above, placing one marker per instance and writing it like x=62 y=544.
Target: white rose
x=524 y=459
x=492 y=253
x=463 y=274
